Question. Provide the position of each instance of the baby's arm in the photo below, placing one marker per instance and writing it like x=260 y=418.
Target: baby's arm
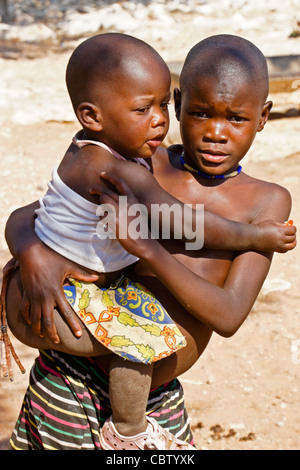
x=223 y=309
x=219 y=233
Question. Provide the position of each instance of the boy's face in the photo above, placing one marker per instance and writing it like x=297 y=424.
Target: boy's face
x=218 y=122
x=135 y=116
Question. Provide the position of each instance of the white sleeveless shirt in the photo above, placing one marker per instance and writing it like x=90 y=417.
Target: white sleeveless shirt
x=67 y=223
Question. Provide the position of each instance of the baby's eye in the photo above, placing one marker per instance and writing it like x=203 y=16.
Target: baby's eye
x=143 y=109
x=165 y=104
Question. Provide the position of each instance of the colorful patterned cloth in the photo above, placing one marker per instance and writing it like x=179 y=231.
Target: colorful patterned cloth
x=67 y=402
x=127 y=319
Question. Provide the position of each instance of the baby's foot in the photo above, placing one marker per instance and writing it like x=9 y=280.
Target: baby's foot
x=154 y=438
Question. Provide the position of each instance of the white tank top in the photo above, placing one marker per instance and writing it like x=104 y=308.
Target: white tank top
x=67 y=223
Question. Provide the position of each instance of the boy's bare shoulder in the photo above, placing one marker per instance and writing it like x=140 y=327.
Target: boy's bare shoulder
x=269 y=198
x=163 y=161
x=266 y=188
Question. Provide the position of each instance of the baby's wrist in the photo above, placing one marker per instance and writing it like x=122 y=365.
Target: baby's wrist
x=256 y=235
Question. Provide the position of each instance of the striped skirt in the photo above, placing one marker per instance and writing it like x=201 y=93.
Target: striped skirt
x=67 y=401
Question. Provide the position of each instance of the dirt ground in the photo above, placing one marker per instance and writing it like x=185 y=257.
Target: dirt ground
x=244 y=393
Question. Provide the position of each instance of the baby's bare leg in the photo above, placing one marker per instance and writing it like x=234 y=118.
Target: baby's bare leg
x=129 y=387
x=86 y=345
x=129 y=382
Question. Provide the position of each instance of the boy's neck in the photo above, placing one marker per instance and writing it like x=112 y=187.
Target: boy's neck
x=189 y=168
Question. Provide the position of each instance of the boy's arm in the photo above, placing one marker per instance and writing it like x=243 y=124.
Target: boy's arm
x=225 y=308
x=42 y=287
x=218 y=233
x=222 y=309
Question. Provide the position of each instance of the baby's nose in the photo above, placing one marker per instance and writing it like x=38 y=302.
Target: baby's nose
x=159 y=118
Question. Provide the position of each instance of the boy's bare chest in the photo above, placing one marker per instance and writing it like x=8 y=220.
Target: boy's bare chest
x=232 y=198
x=229 y=200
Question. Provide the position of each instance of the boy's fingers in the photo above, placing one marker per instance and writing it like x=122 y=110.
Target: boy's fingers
x=35 y=319
x=109 y=195
x=104 y=194
x=48 y=326
x=97 y=189
x=24 y=309
x=70 y=317
x=82 y=275
x=121 y=186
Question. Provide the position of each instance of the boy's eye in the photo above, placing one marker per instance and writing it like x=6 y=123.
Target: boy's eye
x=237 y=119
x=200 y=114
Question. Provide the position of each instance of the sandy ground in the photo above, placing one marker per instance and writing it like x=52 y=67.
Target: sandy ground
x=244 y=393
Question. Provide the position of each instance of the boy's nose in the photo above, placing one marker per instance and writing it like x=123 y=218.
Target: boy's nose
x=216 y=132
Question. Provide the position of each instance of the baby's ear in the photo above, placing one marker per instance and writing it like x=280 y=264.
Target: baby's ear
x=89 y=116
x=265 y=113
x=177 y=101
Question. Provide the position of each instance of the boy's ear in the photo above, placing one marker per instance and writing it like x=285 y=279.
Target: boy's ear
x=89 y=116
x=265 y=113
x=177 y=101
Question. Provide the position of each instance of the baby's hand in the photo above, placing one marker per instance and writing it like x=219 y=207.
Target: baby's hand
x=276 y=237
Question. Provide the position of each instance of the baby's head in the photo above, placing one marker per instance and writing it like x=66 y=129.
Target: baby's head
x=221 y=104
x=120 y=89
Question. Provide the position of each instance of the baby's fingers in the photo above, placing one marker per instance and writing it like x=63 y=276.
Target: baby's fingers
x=291 y=230
x=288 y=246
x=289 y=223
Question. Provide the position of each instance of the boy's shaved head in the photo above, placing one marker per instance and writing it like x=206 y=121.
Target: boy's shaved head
x=103 y=59
x=229 y=59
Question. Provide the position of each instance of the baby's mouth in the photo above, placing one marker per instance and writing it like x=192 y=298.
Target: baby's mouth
x=155 y=141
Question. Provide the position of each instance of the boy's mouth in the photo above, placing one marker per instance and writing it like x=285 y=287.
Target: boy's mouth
x=213 y=156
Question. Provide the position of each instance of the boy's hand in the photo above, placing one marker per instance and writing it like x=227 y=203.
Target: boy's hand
x=42 y=274
x=277 y=237
x=122 y=216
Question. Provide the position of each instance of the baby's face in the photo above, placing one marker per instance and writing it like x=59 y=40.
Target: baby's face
x=135 y=115
x=219 y=122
